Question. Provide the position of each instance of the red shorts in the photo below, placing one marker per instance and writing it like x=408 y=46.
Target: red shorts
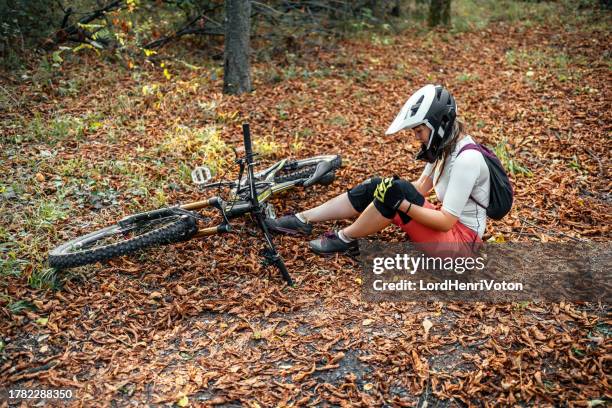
x=463 y=236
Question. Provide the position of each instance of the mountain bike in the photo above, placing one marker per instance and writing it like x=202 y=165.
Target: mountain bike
x=247 y=195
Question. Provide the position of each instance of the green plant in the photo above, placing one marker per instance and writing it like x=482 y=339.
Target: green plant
x=575 y=165
x=467 y=77
x=20 y=305
x=297 y=144
x=55 y=130
x=266 y=146
x=306 y=132
x=43 y=278
x=338 y=120
x=71 y=167
x=197 y=145
x=47 y=213
x=10 y=264
x=382 y=39
x=509 y=163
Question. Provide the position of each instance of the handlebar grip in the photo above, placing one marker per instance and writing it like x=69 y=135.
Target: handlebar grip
x=246 y=132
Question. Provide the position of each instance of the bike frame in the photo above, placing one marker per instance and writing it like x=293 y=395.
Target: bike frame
x=263 y=178
x=259 y=186
x=252 y=205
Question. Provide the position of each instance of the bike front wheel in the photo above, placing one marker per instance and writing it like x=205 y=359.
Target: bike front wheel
x=120 y=239
x=303 y=169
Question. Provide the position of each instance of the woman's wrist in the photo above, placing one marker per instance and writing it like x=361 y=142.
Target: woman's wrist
x=405 y=206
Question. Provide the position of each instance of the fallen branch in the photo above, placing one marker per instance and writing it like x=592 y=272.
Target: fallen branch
x=216 y=29
x=165 y=40
x=74 y=32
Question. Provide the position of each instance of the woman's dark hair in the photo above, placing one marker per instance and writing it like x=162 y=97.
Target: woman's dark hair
x=447 y=149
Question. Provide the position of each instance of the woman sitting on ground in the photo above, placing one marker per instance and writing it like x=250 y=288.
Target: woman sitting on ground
x=460 y=181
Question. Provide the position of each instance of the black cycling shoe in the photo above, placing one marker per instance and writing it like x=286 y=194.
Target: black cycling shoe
x=289 y=224
x=329 y=243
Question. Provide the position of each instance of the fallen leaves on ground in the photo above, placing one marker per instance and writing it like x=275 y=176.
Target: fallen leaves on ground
x=203 y=322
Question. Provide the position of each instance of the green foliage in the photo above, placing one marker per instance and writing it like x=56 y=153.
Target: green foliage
x=51 y=131
x=20 y=305
x=266 y=146
x=475 y=15
x=10 y=264
x=562 y=65
x=45 y=214
x=23 y=24
x=44 y=278
x=338 y=120
x=467 y=77
x=201 y=145
x=510 y=163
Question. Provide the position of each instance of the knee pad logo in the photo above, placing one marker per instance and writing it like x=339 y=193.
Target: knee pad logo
x=381 y=189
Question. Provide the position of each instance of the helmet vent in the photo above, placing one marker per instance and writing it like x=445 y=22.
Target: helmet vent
x=416 y=106
x=438 y=92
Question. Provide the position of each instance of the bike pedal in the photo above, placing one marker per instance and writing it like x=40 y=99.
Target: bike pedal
x=200 y=175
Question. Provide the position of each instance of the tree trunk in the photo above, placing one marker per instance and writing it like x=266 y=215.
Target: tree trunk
x=236 y=70
x=396 y=11
x=377 y=7
x=439 y=13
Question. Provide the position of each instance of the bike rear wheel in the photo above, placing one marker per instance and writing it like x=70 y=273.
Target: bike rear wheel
x=117 y=240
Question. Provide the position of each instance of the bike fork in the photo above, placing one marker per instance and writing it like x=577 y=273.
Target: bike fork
x=271 y=255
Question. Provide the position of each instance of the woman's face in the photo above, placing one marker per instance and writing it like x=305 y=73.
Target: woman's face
x=422 y=132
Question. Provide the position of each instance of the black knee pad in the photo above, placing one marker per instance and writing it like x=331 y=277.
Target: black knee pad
x=362 y=195
x=390 y=193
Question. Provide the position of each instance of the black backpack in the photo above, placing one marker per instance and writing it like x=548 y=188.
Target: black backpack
x=500 y=200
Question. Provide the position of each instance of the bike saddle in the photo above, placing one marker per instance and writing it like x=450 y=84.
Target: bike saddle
x=322 y=169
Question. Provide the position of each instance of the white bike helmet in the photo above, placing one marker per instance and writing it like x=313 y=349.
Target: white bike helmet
x=435 y=107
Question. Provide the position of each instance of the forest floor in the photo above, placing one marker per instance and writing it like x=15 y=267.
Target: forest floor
x=202 y=322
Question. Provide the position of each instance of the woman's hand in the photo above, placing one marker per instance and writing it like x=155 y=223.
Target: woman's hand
x=439 y=220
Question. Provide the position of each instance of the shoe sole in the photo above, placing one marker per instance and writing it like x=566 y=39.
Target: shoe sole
x=351 y=252
x=288 y=231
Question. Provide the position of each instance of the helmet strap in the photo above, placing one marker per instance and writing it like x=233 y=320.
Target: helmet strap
x=429 y=155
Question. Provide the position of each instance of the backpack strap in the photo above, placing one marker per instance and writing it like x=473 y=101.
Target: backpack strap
x=469 y=146
x=481 y=149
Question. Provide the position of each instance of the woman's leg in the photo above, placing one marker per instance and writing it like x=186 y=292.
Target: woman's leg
x=337 y=208
x=377 y=200
x=369 y=222
x=346 y=205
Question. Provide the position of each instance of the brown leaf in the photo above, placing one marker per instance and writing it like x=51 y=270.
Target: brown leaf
x=303 y=374
x=155 y=295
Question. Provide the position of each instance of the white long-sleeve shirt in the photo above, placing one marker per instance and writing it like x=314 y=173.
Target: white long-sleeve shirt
x=463 y=177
